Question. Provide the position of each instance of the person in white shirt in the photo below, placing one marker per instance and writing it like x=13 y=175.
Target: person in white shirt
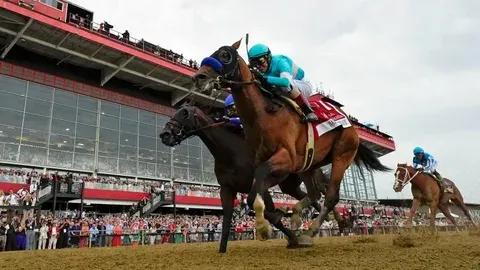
x=42 y=240
x=12 y=199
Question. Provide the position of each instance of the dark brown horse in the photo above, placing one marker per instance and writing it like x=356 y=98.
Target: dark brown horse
x=234 y=165
x=279 y=138
x=426 y=191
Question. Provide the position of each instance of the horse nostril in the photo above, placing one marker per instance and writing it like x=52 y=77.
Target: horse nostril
x=200 y=77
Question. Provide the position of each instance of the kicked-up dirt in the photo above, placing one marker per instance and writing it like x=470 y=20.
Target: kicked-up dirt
x=405 y=251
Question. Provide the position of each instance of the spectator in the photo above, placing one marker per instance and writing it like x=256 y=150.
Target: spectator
x=84 y=231
x=3 y=235
x=101 y=234
x=107 y=27
x=42 y=241
x=20 y=237
x=30 y=233
x=53 y=232
x=11 y=243
x=126 y=36
x=93 y=234
x=109 y=234
x=117 y=235
x=63 y=230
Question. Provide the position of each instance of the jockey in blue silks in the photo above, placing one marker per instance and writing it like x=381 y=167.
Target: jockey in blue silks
x=427 y=162
x=231 y=112
x=281 y=71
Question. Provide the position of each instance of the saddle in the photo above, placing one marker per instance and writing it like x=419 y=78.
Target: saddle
x=447 y=184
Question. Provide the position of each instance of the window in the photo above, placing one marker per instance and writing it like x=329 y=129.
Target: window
x=53 y=3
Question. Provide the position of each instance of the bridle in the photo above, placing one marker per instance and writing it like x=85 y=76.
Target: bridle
x=180 y=131
x=406 y=177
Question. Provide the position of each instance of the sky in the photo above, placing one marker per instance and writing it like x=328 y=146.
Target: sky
x=412 y=67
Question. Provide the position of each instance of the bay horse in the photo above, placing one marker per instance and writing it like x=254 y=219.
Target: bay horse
x=234 y=165
x=278 y=138
x=426 y=191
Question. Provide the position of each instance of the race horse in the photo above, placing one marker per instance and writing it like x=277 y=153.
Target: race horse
x=426 y=191
x=234 y=165
x=278 y=138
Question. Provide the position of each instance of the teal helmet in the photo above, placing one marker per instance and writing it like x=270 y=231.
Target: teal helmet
x=258 y=50
x=418 y=150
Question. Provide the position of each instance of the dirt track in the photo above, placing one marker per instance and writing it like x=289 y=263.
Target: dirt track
x=445 y=251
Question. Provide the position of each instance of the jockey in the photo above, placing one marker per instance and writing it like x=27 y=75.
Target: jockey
x=281 y=71
x=231 y=112
x=427 y=161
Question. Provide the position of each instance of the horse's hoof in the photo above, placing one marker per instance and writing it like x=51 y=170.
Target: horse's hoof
x=263 y=230
x=305 y=241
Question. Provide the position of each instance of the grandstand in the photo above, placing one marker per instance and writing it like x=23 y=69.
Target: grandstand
x=79 y=97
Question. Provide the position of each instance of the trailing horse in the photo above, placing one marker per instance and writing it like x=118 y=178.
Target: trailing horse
x=234 y=165
x=279 y=139
x=425 y=191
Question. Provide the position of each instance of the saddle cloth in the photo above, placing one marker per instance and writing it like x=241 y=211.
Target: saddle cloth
x=329 y=116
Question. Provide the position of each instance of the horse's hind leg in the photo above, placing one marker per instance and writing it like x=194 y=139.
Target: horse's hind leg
x=339 y=166
x=458 y=201
x=444 y=208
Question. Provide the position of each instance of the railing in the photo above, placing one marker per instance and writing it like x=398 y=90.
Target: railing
x=114 y=186
x=84 y=239
x=44 y=192
x=139 y=44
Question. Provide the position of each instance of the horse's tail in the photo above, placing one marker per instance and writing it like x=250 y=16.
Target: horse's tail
x=367 y=158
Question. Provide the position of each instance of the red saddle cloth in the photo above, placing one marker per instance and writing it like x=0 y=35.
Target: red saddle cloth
x=328 y=115
x=324 y=110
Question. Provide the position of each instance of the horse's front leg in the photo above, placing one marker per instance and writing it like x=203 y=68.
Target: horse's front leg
x=277 y=166
x=227 y=197
x=433 y=213
x=413 y=211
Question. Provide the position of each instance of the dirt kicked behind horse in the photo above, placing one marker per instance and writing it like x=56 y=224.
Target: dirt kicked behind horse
x=279 y=138
x=426 y=191
x=234 y=164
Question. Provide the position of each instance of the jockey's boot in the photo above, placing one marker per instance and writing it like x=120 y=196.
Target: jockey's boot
x=310 y=116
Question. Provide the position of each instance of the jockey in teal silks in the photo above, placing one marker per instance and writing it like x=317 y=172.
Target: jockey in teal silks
x=427 y=162
x=281 y=71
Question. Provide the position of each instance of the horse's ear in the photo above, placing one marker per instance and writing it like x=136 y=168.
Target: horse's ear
x=236 y=45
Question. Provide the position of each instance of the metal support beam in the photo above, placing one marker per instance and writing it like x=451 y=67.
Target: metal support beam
x=16 y=38
x=175 y=79
x=63 y=59
x=110 y=75
x=153 y=80
x=96 y=51
x=151 y=71
x=177 y=97
x=63 y=40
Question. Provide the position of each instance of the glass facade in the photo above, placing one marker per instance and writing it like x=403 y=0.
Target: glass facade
x=358 y=185
x=47 y=127
x=355 y=186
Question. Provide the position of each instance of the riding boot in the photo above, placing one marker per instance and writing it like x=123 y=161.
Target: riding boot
x=310 y=116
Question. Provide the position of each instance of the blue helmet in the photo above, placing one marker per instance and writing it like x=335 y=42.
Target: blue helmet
x=229 y=101
x=258 y=50
x=418 y=150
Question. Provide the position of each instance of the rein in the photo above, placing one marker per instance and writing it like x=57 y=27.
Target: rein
x=405 y=181
x=204 y=127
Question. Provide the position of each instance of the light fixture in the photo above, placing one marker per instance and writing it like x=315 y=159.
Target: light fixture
x=67 y=129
